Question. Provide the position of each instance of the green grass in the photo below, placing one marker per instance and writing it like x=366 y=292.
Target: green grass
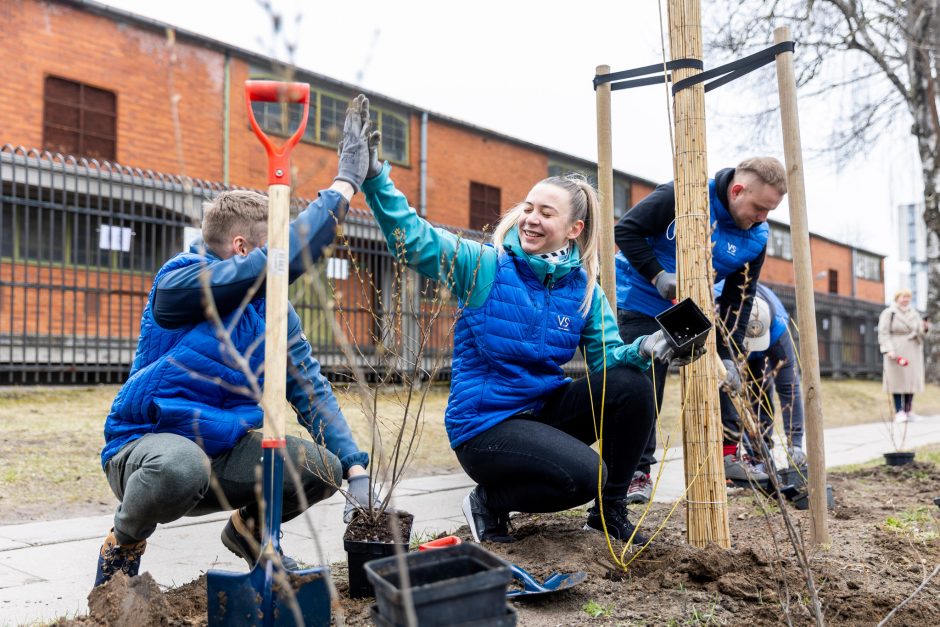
x=595 y=610
x=919 y=523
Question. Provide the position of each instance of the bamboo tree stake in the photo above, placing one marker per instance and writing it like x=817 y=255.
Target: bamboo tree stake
x=605 y=188
x=805 y=306
x=706 y=500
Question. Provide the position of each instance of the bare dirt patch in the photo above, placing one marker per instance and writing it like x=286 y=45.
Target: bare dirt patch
x=885 y=540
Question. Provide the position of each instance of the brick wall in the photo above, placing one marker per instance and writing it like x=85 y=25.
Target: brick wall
x=48 y=38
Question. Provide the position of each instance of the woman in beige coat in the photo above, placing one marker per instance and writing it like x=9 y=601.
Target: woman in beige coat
x=901 y=337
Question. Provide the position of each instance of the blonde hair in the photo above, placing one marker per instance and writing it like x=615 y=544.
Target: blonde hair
x=584 y=206
x=235 y=212
x=768 y=169
x=902 y=292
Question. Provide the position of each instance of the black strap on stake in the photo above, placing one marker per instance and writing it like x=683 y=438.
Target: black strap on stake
x=736 y=69
x=725 y=73
x=617 y=82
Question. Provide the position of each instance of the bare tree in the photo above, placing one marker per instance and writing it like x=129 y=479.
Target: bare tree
x=892 y=50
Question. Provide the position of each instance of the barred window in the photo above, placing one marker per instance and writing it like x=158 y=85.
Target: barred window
x=79 y=119
x=484 y=205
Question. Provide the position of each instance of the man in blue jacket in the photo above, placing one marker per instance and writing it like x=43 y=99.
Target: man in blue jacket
x=180 y=439
x=740 y=200
x=771 y=364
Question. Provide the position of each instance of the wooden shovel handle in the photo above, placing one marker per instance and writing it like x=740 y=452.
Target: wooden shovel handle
x=274 y=396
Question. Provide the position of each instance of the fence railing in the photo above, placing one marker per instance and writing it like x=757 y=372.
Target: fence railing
x=80 y=242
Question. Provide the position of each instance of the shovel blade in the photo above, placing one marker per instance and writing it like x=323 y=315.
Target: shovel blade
x=555 y=583
x=240 y=598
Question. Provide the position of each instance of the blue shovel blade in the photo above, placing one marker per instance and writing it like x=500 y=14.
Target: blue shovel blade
x=244 y=598
x=554 y=583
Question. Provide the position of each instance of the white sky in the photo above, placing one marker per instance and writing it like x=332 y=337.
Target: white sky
x=524 y=68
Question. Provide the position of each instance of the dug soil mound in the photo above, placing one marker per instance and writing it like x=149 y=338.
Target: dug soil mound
x=885 y=533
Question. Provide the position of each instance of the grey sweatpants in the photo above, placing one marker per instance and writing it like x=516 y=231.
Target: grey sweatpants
x=162 y=477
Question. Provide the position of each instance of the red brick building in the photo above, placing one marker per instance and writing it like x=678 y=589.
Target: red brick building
x=98 y=83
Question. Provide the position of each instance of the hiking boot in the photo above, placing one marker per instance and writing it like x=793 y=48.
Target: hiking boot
x=641 y=488
x=743 y=471
x=485 y=524
x=238 y=539
x=114 y=558
x=618 y=524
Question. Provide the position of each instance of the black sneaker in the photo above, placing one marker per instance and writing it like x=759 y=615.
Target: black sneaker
x=246 y=545
x=618 y=525
x=114 y=558
x=485 y=524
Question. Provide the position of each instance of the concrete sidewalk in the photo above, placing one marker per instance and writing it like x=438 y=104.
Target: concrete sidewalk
x=47 y=568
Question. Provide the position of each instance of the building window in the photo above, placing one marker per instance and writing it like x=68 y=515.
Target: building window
x=394 y=130
x=621 y=198
x=867 y=266
x=326 y=117
x=833 y=281
x=484 y=205
x=332 y=116
x=77 y=232
x=779 y=243
x=79 y=119
x=270 y=117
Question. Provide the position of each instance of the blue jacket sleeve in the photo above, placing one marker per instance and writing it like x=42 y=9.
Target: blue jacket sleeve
x=467 y=266
x=313 y=399
x=178 y=297
x=600 y=335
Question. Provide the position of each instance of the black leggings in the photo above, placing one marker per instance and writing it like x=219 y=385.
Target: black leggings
x=545 y=463
x=903 y=402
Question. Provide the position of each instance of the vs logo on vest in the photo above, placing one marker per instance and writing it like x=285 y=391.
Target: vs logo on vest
x=732 y=249
x=564 y=322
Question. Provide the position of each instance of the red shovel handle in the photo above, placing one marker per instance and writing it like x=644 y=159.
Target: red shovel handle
x=276 y=91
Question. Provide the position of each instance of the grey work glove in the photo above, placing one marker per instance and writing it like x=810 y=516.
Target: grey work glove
x=357 y=496
x=732 y=377
x=665 y=283
x=656 y=346
x=354 y=146
x=375 y=166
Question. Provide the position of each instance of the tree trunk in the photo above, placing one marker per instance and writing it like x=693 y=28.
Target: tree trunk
x=926 y=128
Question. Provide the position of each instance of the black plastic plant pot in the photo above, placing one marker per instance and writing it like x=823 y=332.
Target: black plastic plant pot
x=358 y=554
x=685 y=327
x=899 y=458
x=458 y=585
x=937 y=501
x=802 y=501
x=793 y=476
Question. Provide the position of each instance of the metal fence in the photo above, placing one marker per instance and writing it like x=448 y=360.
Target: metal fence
x=80 y=242
x=846 y=331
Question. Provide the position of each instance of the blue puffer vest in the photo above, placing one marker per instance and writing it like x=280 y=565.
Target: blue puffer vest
x=162 y=393
x=508 y=352
x=732 y=247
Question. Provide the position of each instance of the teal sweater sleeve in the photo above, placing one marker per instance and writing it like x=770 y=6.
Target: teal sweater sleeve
x=467 y=267
x=600 y=335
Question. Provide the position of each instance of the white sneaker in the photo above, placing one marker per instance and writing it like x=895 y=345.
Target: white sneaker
x=900 y=417
x=912 y=417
